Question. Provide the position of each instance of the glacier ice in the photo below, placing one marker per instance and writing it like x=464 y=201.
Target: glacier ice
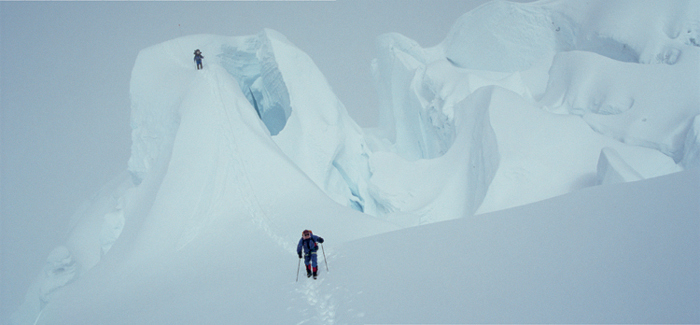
x=252 y=63
x=637 y=111
x=504 y=36
x=520 y=103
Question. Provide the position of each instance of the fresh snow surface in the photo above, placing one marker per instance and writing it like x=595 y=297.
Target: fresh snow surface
x=539 y=165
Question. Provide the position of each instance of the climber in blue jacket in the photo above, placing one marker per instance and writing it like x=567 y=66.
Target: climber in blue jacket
x=308 y=244
x=198 y=58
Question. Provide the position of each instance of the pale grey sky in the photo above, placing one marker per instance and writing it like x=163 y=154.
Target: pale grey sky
x=64 y=92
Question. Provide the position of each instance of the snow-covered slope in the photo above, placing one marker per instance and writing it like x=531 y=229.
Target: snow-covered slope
x=520 y=103
x=208 y=177
x=619 y=253
x=629 y=258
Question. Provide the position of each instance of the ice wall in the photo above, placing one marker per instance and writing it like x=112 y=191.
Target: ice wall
x=451 y=186
x=253 y=64
x=305 y=117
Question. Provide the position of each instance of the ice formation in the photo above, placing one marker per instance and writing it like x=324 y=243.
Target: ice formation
x=520 y=103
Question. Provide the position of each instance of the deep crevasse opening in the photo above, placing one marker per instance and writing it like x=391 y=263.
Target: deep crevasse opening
x=253 y=64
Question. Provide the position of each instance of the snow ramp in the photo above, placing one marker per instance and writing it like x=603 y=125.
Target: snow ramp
x=622 y=253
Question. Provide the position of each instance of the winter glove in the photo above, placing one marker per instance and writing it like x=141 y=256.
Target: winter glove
x=320 y=240
x=299 y=255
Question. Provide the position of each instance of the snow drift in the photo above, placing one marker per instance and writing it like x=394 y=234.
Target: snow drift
x=520 y=103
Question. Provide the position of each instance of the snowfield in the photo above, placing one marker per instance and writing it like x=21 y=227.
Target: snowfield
x=539 y=165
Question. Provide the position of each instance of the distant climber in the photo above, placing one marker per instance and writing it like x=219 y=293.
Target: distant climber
x=308 y=243
x=198 y=59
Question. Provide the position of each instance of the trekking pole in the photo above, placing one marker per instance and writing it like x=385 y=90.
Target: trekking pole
x=298 y=266
x=324 y=257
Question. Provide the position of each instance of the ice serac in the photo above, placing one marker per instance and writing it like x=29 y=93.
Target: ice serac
x=399 y=63
x=655 y=114
x=545 y=154
x=308 y=122
x=619 y=100
x=413 y=192
x=612 y=28
x=221 y=184
x=419 y=94
x=429 y=117
x=418 y=89
x=506 y=37
x=253 y=64
x=635 y=83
